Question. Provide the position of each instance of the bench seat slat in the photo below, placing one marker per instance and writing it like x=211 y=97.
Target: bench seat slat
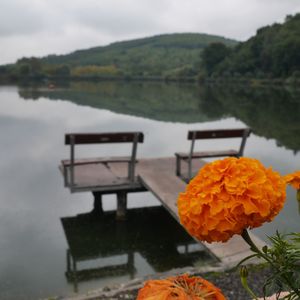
x=86 y=161
x=88 y=175
x=204 y=154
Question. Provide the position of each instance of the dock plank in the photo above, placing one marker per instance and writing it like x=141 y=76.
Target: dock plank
x=119 y=169
x=93 y=174
x=165 y=189
x=98 y=177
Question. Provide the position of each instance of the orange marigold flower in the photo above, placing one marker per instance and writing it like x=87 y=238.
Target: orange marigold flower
x=230 y=195
x=293 y=179
x=182 y=287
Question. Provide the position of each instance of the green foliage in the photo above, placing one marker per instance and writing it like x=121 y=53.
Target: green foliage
x=56 y=71
x=29 y=66
x=285 y=257
x=89 y=71
x=24 y=69
x=213 y=54
x=274 y=51
x=62 y=70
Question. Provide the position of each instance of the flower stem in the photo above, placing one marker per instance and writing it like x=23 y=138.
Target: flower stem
x=253 y=247
x=298 y=200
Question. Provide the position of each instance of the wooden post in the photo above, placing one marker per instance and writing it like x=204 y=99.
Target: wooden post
x=98 y=208
x=178 y=165
x=72 y=160
x=121 y=205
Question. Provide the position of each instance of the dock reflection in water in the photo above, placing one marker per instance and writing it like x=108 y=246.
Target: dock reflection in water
x=150 y=232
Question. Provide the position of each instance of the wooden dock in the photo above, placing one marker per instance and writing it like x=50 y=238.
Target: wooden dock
x=158 y=176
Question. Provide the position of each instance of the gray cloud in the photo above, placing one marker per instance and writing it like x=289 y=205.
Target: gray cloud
x=121 y=18
x=19 y=18
x=40 y=27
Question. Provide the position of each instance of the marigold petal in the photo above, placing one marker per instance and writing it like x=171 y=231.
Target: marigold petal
x=183 y=287
x=293 y=179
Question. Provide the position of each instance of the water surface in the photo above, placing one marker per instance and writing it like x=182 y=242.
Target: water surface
x=33 y=120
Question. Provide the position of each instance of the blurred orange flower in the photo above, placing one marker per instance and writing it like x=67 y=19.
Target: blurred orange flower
x=182 y=287
x=293 y=179
x=230 y=195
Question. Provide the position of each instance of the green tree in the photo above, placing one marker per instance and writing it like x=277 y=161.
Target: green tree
x=24 y=69
x=273 y=51
x=212 y=55
x=33 y=68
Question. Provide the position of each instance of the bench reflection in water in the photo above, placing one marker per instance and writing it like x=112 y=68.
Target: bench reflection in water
x=149 y=232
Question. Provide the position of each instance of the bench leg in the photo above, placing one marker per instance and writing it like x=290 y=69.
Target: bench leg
x=74 y=274
x=189 y=170
x=121 y=206
x=68 y=261
x=98 y=209
x=130 y=264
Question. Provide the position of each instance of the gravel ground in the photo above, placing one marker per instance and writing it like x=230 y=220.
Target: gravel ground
x=228 y=282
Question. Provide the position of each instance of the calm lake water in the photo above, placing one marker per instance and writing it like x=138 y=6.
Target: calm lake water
x=41 y=223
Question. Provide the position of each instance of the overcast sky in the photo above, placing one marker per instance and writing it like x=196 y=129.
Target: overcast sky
x=42 y=27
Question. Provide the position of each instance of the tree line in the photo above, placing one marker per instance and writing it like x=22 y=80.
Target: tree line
x=274 y=52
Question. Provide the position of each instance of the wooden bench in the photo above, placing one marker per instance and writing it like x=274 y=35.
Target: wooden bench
x=95 y=174
x=194 y=135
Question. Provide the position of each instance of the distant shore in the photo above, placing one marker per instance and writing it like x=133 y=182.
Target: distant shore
x=52 y=81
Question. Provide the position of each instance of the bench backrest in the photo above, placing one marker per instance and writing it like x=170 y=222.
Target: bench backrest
x=73 y=139
x=242 y=133
x=218 y=133
x=99 y=138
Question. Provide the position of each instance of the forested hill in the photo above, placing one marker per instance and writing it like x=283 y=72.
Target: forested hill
x=157 y=56
x=274 y=52
x=171 y=50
